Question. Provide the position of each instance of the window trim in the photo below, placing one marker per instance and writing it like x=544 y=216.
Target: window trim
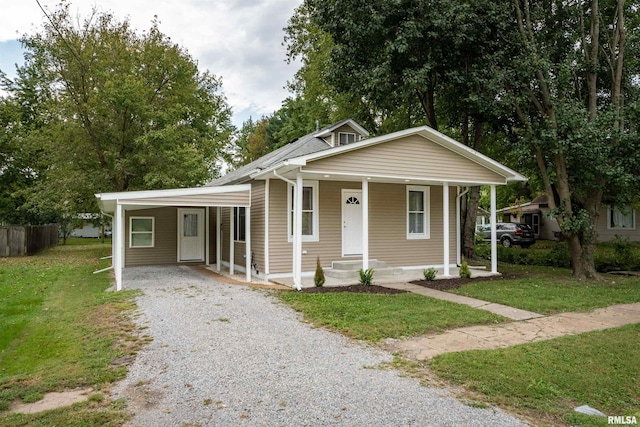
x=610 y=209
x=355 y=137
x=315 y=237
x=236 y=224
x=427 y=216
x=153 y=231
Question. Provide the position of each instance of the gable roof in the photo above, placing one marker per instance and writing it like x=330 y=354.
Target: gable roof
x=302 y=146
x=424 y=131
x=311 y=147
x=329 y=129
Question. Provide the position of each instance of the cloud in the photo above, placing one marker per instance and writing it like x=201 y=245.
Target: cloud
x=240 y=40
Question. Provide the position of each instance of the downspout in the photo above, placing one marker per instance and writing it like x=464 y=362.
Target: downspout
x=295 y=261
x=458 y=236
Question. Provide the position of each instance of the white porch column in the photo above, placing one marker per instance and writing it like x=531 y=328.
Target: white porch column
x=206 y=236
x=267 y=268
x=247 y=241
x=365 y=223
x=445 y=225
x=218 y=239
x=297 y=234
x=231 y=241
x=118 y=259
x=494 y=244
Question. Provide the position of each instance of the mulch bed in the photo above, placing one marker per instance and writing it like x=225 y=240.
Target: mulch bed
x=440 y=285
x=457 y=282
x=360 y=289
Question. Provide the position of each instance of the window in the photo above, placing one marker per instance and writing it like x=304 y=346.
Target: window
x=621 y=218
x=141 y=231
x=239 y=222
x=417 y=212
x=310 y=225
x=345 y=138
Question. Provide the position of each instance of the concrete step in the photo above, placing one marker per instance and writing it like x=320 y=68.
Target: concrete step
x=357 y=265
x=353 y=274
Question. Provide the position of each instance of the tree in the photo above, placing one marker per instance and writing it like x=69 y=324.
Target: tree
x=442 y=56
x=122 y=110
x=568 y=85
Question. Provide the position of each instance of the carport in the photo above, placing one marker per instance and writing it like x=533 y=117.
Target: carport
x=118 y=204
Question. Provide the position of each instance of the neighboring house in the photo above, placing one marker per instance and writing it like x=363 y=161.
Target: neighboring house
x=483 y=217
x=333 y=194
x=84 y=226
x=613 y=220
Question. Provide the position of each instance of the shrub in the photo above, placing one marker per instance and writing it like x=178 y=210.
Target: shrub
x=465 y=272
x=318 y=278
x=624 y=251
x=430 y=274
x=482 y=249
x=366 y=276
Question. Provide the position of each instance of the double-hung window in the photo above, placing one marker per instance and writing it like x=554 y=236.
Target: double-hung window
x=239 y=222
x=310 y=222
x=622 y=218
x=417 y=212
x=141 y=231
x=345 y=138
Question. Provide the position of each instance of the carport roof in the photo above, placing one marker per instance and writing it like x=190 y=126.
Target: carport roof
x=230 y=195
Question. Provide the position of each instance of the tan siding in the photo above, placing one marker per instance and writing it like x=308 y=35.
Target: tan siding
x=223 y=199
x=165 y=238
x=279 y=248
x=410 y=156
x=605 y=234
x=257 y=223
x=212 y=235
x=388 y=227
x=225 y=233
x=387 y=238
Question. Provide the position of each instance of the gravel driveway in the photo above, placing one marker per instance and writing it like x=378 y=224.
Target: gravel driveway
x=229 y=355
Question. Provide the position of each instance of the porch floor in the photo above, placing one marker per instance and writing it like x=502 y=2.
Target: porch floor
x=408 y=276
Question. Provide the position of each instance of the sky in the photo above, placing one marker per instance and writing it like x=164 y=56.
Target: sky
x=238 y=40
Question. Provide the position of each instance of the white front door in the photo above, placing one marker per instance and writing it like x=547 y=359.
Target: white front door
x=351 y=222
x=190 y=235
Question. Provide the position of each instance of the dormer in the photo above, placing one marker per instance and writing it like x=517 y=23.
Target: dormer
x=344 y=132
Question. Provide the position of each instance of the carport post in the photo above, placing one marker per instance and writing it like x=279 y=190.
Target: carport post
x=218 y=240
x=247 y=241
x=231 y=241
x=494 y=244
x=206 y=236
x=118 y=220
x=297 y=237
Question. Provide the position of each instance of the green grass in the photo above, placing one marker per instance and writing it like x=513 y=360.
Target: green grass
x=546 y=380
x=373 y=317
x=549 y=290
x=60 y=330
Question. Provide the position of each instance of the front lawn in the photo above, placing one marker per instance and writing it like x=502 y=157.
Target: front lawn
x=548 y=290
x=375 y=317
x=546 y=380
x=61 y=330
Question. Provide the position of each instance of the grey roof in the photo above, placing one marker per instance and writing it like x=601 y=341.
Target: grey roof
x=307 y=144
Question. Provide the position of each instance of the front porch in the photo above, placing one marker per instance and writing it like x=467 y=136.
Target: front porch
x=399 y=275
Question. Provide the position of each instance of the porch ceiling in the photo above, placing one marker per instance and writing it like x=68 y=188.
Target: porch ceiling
x=232 y=195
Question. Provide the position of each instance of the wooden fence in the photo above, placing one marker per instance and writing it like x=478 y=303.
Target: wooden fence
x=18 y=240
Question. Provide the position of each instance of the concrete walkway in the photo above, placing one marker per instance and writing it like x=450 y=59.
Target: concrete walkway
x=503 y=310
x=508 y=334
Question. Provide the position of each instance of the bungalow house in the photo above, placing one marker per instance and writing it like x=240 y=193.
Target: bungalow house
x=335 y=194
x=613 y=220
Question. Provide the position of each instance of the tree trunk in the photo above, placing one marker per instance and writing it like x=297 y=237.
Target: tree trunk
x=469 y=230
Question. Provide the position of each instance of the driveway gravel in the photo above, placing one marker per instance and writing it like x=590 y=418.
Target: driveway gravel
x=230 y=355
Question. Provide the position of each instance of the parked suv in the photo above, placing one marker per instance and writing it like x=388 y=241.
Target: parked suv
x=510 y=233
